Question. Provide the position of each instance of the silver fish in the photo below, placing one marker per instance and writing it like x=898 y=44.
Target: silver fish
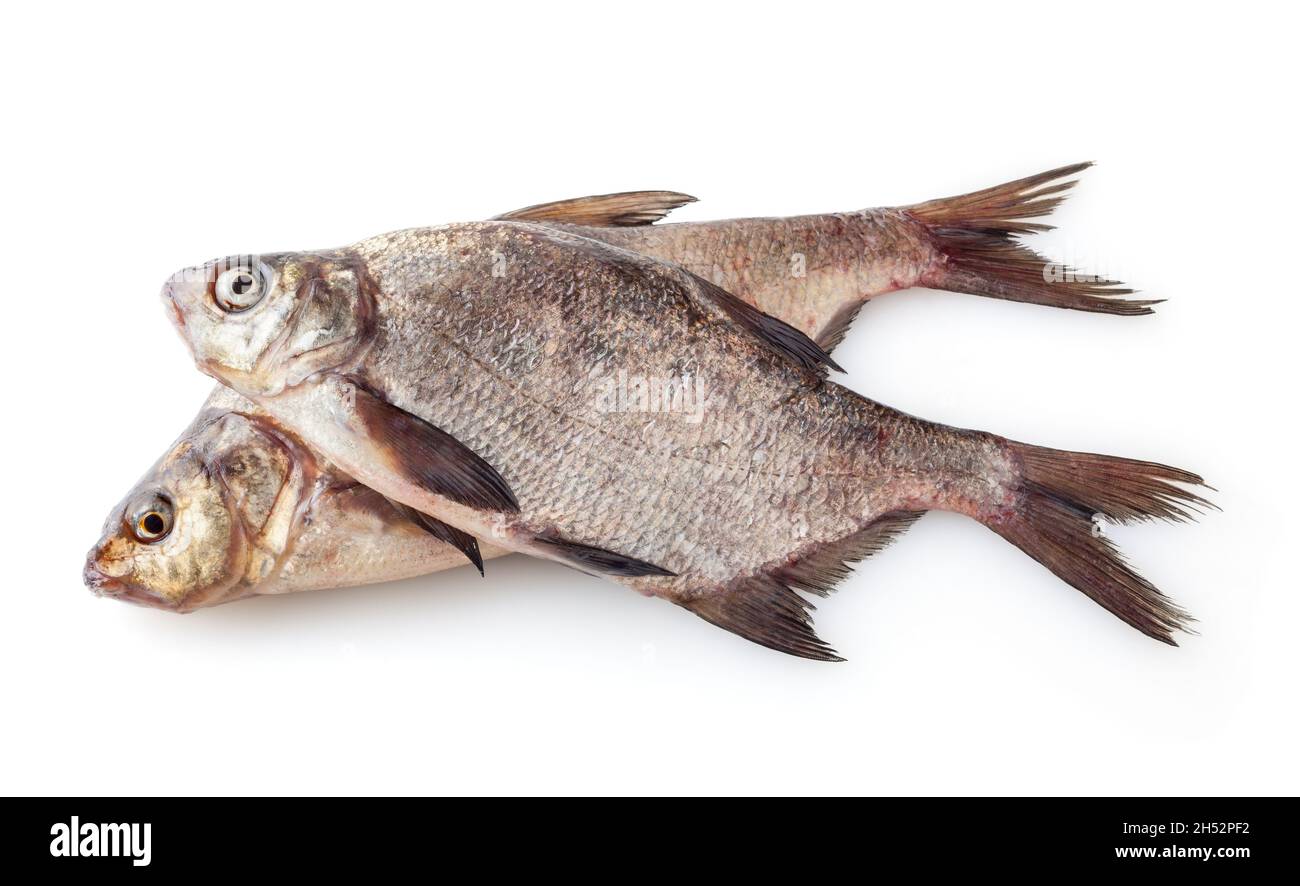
x=463 y=371
x=816 y=272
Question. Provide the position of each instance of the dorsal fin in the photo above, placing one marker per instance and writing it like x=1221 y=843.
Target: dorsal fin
x=776 y=334
x=765 y=608
x=623 y=210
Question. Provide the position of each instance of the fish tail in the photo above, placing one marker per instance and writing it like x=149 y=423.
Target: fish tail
x=976 y=237
x=1051 y=518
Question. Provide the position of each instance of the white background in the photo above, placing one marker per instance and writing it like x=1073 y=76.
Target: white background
x=142 y=139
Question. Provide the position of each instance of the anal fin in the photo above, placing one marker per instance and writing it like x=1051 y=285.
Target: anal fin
x=766 y=612
x=766 y=609
x=821 y=570
x=589 y=558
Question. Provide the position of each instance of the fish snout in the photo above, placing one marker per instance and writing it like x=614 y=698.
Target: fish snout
x=102 y=584
x=168 y=296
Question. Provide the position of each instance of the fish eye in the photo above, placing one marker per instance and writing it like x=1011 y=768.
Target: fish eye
x=150 y=521
x=239 y=288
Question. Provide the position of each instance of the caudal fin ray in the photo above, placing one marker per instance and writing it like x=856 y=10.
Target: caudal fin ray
x=1063 y=538
x=998 y=207
x=975 y=234
x=1052 y=521
x=1124 y=489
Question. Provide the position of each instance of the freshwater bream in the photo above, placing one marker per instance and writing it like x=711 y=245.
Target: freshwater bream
x=814 y=272
x=458 y=370
x=817 y=271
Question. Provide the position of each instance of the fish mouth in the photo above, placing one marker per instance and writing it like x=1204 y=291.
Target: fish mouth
x=102 y=585
x=169 y=298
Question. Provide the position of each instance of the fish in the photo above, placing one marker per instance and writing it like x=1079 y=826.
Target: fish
x=464 y=371
x=814 y=272
x=238 y=506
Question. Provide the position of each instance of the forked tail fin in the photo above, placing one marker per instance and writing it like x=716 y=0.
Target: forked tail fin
x=976 y=235
x=1052 y=521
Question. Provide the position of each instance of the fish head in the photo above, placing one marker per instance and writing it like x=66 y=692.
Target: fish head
x=261 y=323
x=207 y=523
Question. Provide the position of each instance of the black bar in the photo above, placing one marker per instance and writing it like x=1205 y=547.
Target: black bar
x=334 y=836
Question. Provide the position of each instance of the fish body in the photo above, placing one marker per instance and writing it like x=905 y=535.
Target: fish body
x=460 y=371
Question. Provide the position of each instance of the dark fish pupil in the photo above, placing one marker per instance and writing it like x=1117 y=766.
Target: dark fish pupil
x=243 y=283
x=152 y=523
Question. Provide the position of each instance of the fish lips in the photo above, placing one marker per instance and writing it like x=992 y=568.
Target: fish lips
x=103 y=585
x=168 y=296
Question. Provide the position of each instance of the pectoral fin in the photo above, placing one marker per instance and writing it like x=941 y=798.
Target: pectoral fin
x=431 y=458
x=624 y=210
x=444 y=532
